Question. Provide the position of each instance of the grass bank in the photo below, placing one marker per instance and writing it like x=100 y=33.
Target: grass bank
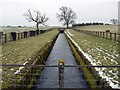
x=33 y=50
x=87 y=74
x=101 y=52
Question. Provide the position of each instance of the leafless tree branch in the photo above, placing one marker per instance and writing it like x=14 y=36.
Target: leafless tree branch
x=36 y=17
x=67 y=16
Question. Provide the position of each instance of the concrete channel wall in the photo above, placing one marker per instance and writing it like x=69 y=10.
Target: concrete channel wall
x=91 y=75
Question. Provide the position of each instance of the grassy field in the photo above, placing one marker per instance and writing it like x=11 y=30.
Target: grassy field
x=100 y=52
x=24 y=50
x=21 y=29
x=112 y=28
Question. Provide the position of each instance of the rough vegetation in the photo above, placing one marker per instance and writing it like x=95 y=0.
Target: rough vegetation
x=101 y=52
x=89 y=77
x=26 y=51
x=112 y=28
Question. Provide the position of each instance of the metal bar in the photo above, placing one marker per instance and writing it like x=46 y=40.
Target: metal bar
x=109 y=66
x=19 y=65
x=61 y=73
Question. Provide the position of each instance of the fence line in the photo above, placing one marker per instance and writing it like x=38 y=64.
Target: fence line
x=13 y=36
x=106 y=35
x=20 y=65
x=33 y=73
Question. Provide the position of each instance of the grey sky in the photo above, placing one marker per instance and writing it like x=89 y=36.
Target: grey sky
x=11 y=11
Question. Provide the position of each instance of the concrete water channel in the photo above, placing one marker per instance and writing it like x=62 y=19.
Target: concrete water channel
x=73 y=77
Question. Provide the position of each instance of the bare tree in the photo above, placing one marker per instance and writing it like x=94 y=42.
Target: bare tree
x=67 y=16
x=36 y=17
x=114 y=21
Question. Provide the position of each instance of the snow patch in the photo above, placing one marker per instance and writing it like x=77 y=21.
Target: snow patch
x=18 y=71
x=105 y=53
x=93 y=62
x=69 y=33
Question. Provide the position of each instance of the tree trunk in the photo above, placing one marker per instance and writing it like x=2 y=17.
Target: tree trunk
x=67 y=25
x=37 y=25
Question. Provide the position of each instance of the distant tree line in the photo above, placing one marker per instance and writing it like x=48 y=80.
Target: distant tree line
x=67 y=16
x=87 y=24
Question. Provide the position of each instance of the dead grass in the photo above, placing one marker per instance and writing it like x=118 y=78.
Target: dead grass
x=102 y=51
x=18 y=52
x=112 y=28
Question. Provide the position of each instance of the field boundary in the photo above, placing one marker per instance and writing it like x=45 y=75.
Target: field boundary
x=91 y=74
x=13 y=36
x=25 y=79
x=106 y=35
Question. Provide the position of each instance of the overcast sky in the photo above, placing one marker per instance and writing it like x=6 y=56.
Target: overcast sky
x=11 y=11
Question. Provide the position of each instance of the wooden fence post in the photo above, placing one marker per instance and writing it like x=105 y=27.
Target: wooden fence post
x=103 y=34
x=5 y=38
x=96 y=33
x=61 y=73
x=115 y=36
x=100 y=34
x=106 y=35
x=107 y=31
x=110 y=36
x=1 y=37
x=13 y=36
x=37 y=32
x=21 y=35
x=25 y=34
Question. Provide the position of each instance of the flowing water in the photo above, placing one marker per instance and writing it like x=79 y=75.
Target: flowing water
x=73 y=77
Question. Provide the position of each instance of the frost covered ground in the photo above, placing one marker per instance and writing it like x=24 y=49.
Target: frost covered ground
x=99 y=52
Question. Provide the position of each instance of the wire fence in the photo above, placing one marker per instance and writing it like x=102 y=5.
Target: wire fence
x=13 y=36
x=106 y=35
x=25 y=76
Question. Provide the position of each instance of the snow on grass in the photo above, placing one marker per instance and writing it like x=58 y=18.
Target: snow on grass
x=69 y=32
x=99 y=53
x=20 y=68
